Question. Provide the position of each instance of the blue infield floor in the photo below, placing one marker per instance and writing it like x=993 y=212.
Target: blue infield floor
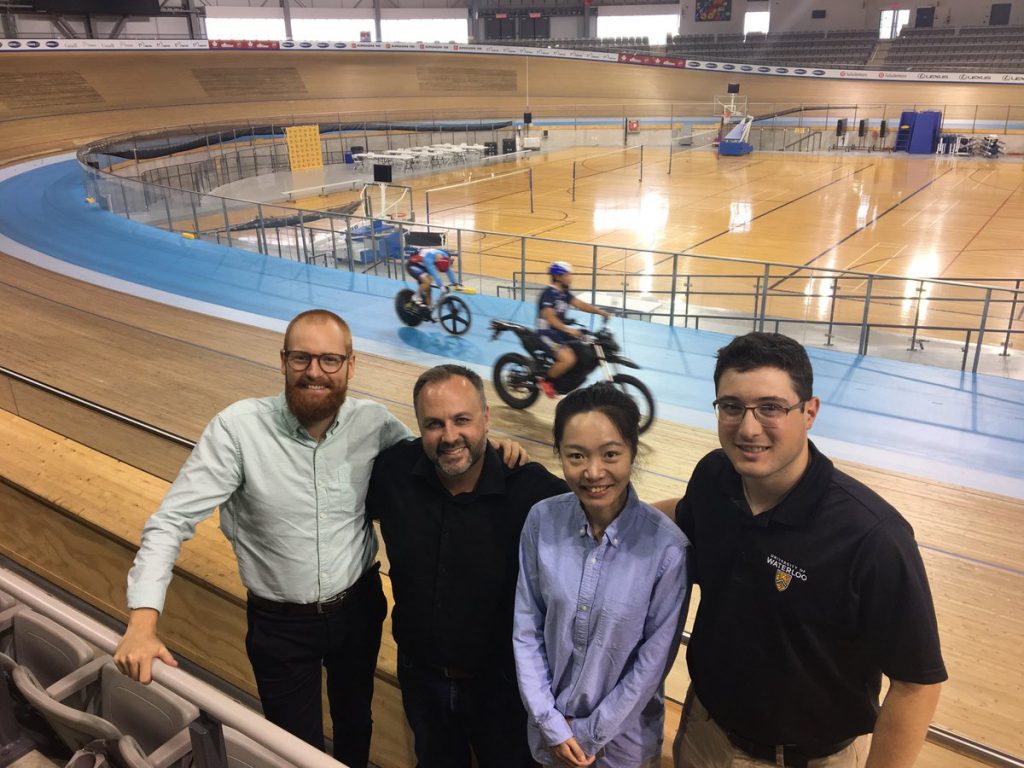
x=958 y=428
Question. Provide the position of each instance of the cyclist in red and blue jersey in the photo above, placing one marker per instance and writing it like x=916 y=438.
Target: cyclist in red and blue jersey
x=552 y=326
x=426 y=266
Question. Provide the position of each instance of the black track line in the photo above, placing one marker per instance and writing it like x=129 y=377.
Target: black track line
x=860 y=229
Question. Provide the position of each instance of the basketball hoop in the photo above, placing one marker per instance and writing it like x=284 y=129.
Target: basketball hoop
x=727 y=115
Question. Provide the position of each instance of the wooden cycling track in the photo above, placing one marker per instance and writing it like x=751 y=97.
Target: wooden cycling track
x=175 y=369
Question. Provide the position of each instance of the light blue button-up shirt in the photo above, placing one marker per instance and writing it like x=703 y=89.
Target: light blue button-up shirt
x=597 y=626
x=292 y=507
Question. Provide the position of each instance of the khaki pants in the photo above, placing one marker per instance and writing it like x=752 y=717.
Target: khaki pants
x=700 y=743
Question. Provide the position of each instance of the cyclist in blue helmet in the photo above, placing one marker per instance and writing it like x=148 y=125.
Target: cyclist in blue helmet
x=426 y=266
x=552 y=327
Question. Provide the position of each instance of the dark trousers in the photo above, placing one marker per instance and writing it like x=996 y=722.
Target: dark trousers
x=449 y=716
x=287 y=653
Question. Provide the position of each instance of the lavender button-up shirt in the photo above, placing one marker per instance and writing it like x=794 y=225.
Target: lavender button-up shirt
x=597 y=626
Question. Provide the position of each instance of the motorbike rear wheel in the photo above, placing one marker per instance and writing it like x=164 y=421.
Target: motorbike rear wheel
x=407 y=315
x=514 y=380
x=641 y=396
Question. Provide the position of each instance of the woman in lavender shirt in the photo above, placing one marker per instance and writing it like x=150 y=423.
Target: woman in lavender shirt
x=600 y=599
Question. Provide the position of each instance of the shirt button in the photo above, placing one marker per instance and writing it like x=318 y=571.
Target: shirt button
x=593 y=560
x=583 y=607
x=323 y=515
x=615 y=541
x=579 y=648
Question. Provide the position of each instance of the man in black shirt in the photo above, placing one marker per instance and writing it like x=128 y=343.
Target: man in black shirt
x=812 y=587
x=451 y=513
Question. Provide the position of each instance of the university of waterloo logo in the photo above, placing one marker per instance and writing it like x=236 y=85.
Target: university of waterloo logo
x=785 y=572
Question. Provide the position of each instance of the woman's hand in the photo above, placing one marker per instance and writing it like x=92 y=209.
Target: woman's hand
x=569 y=753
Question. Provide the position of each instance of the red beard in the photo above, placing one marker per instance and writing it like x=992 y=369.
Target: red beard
x=310 y=408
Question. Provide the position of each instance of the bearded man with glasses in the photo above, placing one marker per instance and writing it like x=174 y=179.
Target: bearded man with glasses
x=290 y=475
x=811 y=588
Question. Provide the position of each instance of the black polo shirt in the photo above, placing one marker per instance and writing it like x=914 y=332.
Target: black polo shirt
x=454 y=559
x=803 y=607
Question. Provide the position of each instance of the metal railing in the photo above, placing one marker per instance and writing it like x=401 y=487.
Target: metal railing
x=849 y=309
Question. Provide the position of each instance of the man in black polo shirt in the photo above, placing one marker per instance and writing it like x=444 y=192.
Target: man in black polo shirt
x=811 y=588
x=451 y=513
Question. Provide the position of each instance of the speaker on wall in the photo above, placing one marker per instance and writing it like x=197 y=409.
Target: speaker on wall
x=527 y=118
x=382 y=172
x=840 y=126
x=733 y=88
x=862 y=128
x=883 y=129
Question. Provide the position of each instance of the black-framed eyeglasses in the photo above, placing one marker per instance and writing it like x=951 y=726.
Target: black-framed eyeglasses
x=329 y=362
x=768 y=414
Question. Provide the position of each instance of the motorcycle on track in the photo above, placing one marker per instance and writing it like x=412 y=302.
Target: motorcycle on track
x=515 y=375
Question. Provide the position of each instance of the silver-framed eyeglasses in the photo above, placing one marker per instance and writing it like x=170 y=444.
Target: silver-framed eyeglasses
x=329 y=362
x=767 y=414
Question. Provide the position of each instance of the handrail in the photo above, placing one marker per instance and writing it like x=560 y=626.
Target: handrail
x=96 y=407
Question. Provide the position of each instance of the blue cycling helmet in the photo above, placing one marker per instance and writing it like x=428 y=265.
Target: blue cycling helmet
x=559 y=268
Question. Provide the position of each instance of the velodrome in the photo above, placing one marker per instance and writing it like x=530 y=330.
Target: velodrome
x=100 y=344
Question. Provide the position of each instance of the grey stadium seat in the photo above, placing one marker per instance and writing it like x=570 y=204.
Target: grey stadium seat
x=117 y=706
x=242 y=752
x=45 y=647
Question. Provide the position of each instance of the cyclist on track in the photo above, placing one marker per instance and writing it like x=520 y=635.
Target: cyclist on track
x=426 y=266
x=552 y=326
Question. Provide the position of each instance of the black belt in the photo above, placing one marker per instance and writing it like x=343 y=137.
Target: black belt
x=788 y=755
x=323 y=607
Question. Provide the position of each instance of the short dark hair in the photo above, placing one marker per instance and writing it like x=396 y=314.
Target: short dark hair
x=444 y=372
x=620 y=408
x=323 y=316
x=768 y=350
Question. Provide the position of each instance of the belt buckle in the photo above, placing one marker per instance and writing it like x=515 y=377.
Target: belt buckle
x=328 y=605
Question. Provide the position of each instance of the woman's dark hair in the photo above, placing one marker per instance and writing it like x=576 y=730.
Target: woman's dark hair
x=768 y=350
x=619 y=407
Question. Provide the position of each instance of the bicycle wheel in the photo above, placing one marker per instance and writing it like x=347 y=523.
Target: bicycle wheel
x=408 y=316
x=454 y=315
x=641 y=396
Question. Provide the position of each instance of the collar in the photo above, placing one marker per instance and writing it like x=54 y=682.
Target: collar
x=291 y=425
x=801 y=504
x=490 y=483
x=619 y=528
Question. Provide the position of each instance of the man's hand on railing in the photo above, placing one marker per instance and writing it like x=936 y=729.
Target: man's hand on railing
x=140 y=646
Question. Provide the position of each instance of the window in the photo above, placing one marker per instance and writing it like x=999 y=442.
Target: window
x=891 y=23
x=653 y=27
x=818 y=13
x=330 y=29
x=756 y=21
x=999 y=15
x=425 y=30
x=244 y=29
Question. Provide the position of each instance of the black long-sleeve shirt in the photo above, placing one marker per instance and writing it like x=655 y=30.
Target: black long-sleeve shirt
x=454 y=559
